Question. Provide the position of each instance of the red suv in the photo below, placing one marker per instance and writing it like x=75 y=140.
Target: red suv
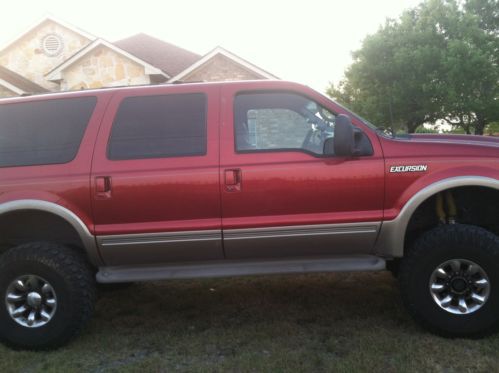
x=230 y=179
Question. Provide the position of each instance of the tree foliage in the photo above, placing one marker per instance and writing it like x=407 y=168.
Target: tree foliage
x=437 y=61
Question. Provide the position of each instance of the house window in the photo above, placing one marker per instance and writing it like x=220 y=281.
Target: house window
x=52 y=45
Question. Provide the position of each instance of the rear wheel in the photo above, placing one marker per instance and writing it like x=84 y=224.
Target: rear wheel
x=450 y=281
x=48 y=292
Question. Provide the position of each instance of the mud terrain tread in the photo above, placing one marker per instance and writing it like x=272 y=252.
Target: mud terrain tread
x=72 y=266
x=448 y=235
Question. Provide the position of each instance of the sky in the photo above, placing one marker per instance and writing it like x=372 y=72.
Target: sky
x=307 y=41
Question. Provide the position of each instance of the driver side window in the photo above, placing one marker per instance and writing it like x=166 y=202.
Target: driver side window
x=280 y=121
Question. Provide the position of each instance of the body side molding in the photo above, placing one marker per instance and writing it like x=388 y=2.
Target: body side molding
x=307 y=240
x=158 y=238
x=87 y=238
x=301 y=230
x=145 y=248
x=390 y=242
x=204 y=245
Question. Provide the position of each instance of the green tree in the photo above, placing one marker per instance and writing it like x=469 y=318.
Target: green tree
x=470 y=67
x=437 y=61
x=492 y=128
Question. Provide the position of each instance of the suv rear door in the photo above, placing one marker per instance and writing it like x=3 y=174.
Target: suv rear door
x=155 y=176
x=280 y=195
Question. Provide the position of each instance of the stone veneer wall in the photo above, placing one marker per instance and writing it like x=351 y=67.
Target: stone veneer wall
x=220 y=68
x=26 y=56
x=4 y=92
x=100 y=68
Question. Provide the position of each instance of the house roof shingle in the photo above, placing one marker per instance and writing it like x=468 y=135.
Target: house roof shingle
x=165 y=56
x=20 y=82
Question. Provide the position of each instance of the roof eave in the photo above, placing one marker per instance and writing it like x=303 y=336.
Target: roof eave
x=53 y=19
x=56 y=73
x=56 y=77
x=11 y=87
x=226 y=53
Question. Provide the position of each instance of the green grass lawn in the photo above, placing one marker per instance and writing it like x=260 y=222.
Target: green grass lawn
x=308 y=323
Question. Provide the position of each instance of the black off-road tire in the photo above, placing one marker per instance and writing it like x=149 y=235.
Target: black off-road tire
x=72 y=280
x=444 y=243
x=393 y=266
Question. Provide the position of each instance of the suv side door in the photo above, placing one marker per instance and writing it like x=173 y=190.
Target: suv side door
x=155 y=176
x=281 y=196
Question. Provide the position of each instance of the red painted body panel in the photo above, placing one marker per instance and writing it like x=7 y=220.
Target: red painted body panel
x=65 y=184
x=296 y=188
x=159 y=194
x=446 y=157
x=277 y=189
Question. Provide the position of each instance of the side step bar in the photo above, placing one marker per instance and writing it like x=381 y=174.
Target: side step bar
x=228 y=268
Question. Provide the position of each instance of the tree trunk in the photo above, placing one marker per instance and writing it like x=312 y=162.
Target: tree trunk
x=479 y=125
x=412 y=126
x=465 y=125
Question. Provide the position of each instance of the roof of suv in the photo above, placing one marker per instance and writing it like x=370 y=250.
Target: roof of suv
x=276 y=84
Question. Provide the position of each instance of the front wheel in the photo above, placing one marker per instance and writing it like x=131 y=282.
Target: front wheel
x=47 y=293
x=449 y=281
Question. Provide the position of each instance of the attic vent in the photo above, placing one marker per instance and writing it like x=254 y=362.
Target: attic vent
x=52 y=45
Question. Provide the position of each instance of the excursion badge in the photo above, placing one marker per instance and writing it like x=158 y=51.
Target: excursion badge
x=414 y=168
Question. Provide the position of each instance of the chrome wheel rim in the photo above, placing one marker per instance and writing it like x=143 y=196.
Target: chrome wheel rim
x=31 y=301
x=459 y=286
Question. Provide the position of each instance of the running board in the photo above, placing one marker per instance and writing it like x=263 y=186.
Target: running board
x=229 y=268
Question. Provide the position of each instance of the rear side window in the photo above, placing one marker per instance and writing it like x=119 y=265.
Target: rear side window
x=43 y=132
x=159 y=126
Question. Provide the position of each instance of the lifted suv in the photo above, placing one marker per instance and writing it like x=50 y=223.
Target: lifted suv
x=229 y=179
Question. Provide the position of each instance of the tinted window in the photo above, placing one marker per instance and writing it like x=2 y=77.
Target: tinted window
x=159 y=126
x=43 y=132
x=280 y=121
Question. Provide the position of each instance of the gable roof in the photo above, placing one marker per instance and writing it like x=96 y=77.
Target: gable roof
x=49 y=19
x=55 y=73
x=226 y=53
x=17 y=83
x=168 y=57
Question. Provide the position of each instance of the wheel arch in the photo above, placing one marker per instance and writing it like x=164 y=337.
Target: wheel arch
x=57 y=214
x=392 y=235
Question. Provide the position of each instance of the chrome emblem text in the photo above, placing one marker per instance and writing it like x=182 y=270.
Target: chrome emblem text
x=415 y=168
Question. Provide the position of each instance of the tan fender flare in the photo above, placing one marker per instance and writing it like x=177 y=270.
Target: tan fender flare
x=390 y=242
x=86 y=237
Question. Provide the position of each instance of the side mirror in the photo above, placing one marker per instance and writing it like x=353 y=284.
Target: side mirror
x=343 y=140
x=348 y=141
